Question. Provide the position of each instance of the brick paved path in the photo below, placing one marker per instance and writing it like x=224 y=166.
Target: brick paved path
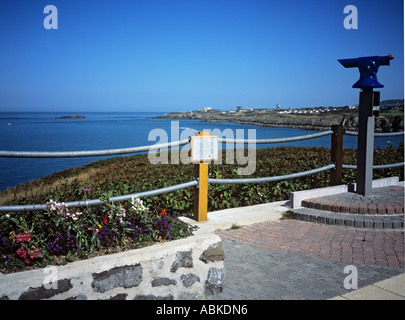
x=343 y=244
x=292 y=259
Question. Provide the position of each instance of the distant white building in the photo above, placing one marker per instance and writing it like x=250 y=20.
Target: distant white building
x=206 y=109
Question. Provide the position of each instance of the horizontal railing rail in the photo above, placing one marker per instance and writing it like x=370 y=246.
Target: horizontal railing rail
x=277 y=140
x=376 y=167
x=97 y=202
x=90 y=153
x=270 y=179
x=377 y=134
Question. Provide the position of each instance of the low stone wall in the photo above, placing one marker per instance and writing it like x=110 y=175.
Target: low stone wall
x=190 y=268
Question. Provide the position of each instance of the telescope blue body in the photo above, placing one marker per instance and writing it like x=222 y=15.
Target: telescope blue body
x=368 y=67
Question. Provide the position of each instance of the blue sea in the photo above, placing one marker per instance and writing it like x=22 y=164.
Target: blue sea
x=111 y=130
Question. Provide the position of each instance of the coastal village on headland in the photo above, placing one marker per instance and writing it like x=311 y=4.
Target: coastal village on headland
x=389 y=116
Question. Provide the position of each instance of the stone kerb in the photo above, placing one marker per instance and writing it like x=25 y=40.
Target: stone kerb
x=189 y=268
x=297 y=197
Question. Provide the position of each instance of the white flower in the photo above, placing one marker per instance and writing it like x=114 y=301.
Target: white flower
x=137 y=204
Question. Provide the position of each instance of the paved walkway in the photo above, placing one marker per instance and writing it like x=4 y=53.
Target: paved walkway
x=296 y=260
x=288 y=259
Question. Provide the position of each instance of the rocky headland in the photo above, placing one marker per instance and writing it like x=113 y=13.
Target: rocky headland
x=309 y=120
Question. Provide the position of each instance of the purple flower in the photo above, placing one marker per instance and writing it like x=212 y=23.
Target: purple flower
x=63 y=244
x=106 y=236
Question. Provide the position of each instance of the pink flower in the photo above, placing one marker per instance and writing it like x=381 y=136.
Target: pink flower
x=85 y=191
x=34 y=253
x=21 y=237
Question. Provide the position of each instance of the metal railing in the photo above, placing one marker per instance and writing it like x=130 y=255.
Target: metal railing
x=278 y=140
x=271 y=179
x=376 y=134
x=376 y=167
x=97 y=202
x=89 y=153
x=194 y=183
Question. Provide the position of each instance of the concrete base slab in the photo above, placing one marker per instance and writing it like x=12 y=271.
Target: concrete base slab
x=242 y=216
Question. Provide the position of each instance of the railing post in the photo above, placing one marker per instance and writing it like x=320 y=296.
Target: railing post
x=201 y=190
x=336 y=155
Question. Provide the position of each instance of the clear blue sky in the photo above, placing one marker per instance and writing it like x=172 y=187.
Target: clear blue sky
x=163 y=55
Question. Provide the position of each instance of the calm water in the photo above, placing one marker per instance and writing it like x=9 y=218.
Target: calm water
x=41 y=132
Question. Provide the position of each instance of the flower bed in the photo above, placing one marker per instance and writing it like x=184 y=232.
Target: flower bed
x=61 y=234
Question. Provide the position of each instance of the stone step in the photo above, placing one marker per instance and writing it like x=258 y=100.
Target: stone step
x=370 y=221
x=353 y=207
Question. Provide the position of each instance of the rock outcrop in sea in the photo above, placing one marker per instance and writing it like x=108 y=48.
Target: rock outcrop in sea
x=75 y=116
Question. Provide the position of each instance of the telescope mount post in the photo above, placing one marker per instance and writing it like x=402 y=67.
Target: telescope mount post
x=365 y=143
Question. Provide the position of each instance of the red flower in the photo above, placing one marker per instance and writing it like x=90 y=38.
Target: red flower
x=22 y=252
x=28 y=255
x=163 y=213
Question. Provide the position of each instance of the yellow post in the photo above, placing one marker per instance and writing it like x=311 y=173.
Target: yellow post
x=201 y=190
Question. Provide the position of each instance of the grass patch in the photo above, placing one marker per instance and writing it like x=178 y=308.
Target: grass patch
x=287 y=215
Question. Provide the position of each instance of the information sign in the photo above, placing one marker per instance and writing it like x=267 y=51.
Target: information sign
x=204 y=148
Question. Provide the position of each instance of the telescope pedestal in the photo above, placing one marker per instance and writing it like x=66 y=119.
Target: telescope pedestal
x=365 y=143
x=368 y=68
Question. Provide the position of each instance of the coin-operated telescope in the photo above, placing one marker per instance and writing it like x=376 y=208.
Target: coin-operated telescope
x=368 y=67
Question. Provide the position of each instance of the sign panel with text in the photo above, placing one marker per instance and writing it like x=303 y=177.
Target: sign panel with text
x=204 y=148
